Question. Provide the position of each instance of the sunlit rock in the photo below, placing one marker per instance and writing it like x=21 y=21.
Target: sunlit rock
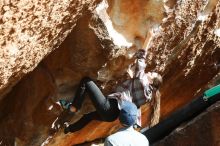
x=70 y=40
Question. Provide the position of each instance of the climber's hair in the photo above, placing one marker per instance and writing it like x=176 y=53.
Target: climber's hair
x=155 y=115
x=157 y=80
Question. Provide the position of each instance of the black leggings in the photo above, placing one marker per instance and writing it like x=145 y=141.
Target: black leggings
x=106 y=109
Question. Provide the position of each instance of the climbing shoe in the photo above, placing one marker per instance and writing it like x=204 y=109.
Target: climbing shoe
x=65 y=104
x=66 y=130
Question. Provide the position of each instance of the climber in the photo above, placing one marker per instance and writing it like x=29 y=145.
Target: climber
x=127 y=135
x=140 y=89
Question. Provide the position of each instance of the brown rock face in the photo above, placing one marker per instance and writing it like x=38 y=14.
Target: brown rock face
x=184 y=49
x=30 y=30
x=135 y=17
x=189 y=51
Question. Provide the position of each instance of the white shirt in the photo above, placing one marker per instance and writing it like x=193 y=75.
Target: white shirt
x=126 y=137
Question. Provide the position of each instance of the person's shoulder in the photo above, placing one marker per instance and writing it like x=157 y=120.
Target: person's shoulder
x=113 y=136
x=141 y=136
x=145 y=141
x=118 y=136
x=111 y=140
x=140 y=139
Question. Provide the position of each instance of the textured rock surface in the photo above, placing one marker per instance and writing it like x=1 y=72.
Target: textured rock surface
x=187 y=48
x=203 y=130
x=135 y=17
x=29 y=31
x=184 y=49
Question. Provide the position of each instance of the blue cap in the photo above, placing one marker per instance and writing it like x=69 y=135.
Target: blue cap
x=128 y=113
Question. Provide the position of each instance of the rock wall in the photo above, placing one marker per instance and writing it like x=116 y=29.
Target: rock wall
x=30 y=30
x=187 y=48
x=184 y=49
x=134 y=18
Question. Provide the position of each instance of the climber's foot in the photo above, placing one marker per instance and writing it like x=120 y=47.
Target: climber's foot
x=66 y=130
x=64 y=104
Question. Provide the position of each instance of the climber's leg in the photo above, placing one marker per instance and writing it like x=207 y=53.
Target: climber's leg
x=107 y=108
x=77 y=99
x=82 y=122
x=109 y=115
